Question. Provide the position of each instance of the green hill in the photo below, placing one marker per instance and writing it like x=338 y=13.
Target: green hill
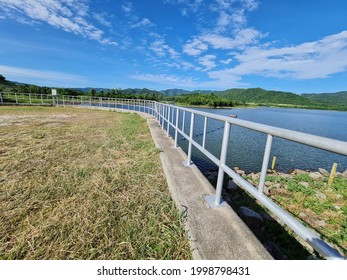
x=174 y=92
x=266 y=97
x=333 y=99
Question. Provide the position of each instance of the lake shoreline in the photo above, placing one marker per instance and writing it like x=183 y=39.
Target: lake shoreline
x=257 y=105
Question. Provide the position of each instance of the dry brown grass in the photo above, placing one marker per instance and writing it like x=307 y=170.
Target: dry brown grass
x=83 y=184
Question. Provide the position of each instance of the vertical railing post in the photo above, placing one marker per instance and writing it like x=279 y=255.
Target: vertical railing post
x=223 y=157
x=176 y=127
x=183 y=120
x=168 y=122
x=163 y=117
x=204 y=134
x=1 y=99
x=190 y=145
x=30 y=99
x=265 y=165
x=160 y=112
x=158 y=108
x=157 y=111
x=15 y=94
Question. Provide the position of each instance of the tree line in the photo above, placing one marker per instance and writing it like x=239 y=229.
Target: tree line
x=202 y=99
x=227 y=98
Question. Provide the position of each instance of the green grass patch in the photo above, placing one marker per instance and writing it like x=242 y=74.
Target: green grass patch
x=313 y=202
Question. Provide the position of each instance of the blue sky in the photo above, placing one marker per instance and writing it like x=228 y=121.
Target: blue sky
x=289 y=45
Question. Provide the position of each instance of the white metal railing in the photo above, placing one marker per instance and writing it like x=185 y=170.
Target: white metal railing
x=25 y=98
x=170 y=116
x=166 y=118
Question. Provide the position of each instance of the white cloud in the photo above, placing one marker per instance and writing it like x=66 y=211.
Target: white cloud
x=46 y=76
x=102 y=19
x=188 y=5
x=242 y=38
x=227 y=61
x=311 y=60
x=68 y=15
x=188 y=82
x=142 y=23
x=128 y=7
x=166 y=79
x=208 y=61
x=195 y=47
x=232 y=13
x=161 y=49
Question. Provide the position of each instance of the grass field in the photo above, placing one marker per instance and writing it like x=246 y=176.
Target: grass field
x=321 y=207
x=83 y=184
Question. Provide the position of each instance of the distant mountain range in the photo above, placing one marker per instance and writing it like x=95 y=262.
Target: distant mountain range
x=257 y=96
x=337 y=98
x=262 y=96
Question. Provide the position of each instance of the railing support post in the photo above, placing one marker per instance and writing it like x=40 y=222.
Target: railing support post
x=163 y=116
x=223 y=157
x=189 y=159
x=176 y=128
x=168 y=122
x=266 y=159
x=204 y=134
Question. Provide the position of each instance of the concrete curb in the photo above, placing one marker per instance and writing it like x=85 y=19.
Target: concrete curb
x=217 y=234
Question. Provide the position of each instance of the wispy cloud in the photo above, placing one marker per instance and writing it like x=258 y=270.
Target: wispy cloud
x=227 y=61
x=68 y=15
x=166 y=79
x=243 y=38
x=128 y=7
x=187 y=6
x=311 y=60
x=208 y=61
x=187 y=82
x=143 y=23
x=195 y=47
x=232 y=14
x=102 y=19
x=161 y=49
x=45 y=76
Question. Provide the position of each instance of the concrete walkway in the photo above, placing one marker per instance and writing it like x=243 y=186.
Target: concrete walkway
x=217 y=234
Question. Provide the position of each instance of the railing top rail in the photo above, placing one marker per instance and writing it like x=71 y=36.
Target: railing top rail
x=328 y=144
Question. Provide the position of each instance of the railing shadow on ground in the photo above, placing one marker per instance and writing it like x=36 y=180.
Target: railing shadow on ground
x=180 y=122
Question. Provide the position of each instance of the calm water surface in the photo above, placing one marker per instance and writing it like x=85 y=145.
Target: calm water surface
x=246 y=147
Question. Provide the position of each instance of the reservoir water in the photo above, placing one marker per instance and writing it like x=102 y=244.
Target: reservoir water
x=246 y=147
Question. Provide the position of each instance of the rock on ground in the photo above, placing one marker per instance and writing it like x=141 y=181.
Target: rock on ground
x=274 y=251
x=250 y=217
x=323 y=172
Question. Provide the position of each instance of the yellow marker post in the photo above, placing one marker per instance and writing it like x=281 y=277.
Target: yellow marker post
x=332 y=174
x=273 y=163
